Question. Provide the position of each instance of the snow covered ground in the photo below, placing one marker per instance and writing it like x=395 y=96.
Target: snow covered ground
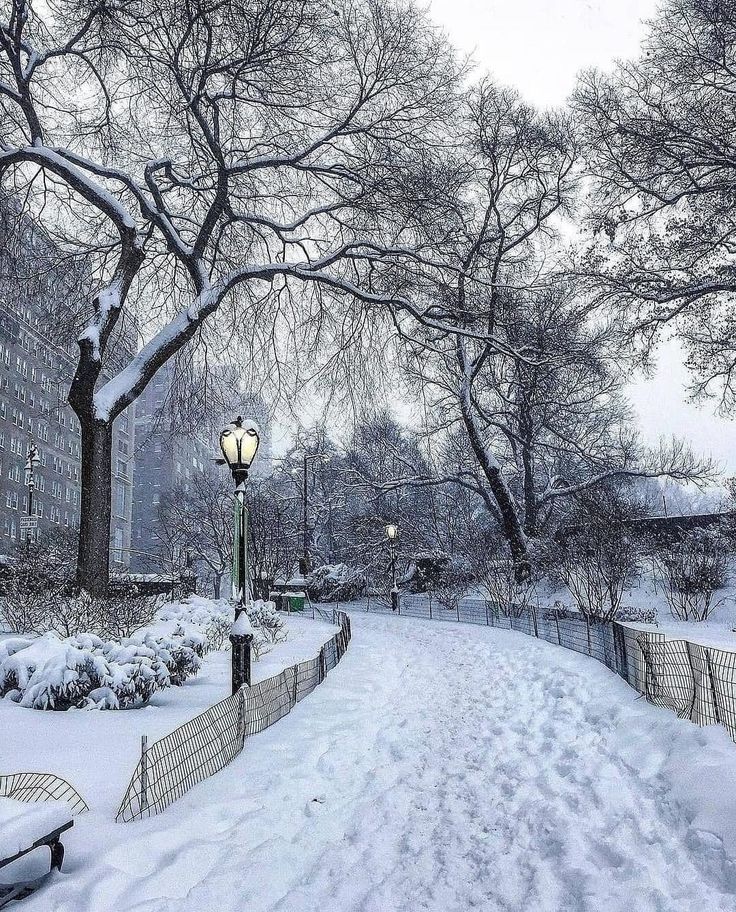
x=97 y=751
x=440 y=767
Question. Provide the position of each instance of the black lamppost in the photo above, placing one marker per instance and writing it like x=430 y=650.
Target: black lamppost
x=304 y=560
x=31 y=463
x=239 y=444
x=392 y=534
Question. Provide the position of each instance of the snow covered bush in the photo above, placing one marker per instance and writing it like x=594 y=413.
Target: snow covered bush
x=692 y=569
x=446 y=576
x=336 y=582
x=266 y=620
x=181 y=651
x=637 y=615
x=86 y=672
x=213 y=616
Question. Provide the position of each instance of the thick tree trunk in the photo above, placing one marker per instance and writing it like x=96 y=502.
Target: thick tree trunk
x=510 y=522
x=93 y=564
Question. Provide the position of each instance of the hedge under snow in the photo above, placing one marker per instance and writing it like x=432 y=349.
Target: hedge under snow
x=86 y=672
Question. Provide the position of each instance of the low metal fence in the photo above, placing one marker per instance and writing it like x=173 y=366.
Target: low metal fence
x=40 y=787
x=696 y=682
x=172 y=765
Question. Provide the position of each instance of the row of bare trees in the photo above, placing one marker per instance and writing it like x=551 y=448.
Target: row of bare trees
x=316 y=183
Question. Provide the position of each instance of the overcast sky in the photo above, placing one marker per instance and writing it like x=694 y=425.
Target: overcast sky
x=538 y=46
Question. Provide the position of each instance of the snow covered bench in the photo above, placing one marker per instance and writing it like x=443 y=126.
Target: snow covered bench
x=24 y=828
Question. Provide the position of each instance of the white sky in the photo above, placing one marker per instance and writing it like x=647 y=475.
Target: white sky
x=538 y=46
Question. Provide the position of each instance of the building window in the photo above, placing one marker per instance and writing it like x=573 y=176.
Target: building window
x=118 y=553
x=120 y=498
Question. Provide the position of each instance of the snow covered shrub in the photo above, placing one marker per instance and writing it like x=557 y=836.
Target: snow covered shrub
x=692 y=569
x=637 y=615
x=87 y=672
x=266 y=620
x=436 y=571
x=82 y=672
x=336 y=582
x=213 y=616
x=181 y=651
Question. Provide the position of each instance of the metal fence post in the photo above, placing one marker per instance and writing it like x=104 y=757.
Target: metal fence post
x=322 y=665
x=716 y=711
x=534 y=618
x=296 y=684
x=688 y=650
x=144 y=773
x=587 y=630
x=557 y=625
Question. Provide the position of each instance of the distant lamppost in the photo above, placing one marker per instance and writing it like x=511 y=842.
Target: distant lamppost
x=32 y=462
x=304 y=560
x=239 y=444
x=392 y=534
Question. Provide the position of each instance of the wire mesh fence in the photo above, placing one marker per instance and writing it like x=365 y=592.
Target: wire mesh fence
x=696 y=682
x=39 y=787
x=204 y=745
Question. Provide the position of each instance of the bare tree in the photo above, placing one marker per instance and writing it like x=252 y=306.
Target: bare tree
x=243 y=159
x=525 y=386
x=200 y=520
x=661 y=148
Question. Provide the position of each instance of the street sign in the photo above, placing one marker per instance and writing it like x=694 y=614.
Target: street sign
x=28 y=522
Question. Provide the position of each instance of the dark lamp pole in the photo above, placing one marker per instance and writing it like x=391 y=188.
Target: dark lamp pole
x=392 y=534
x=31 y=464
x=239 y=443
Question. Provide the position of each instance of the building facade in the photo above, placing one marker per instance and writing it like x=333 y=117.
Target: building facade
x=37 y=363
x=165 y=459
x=169 y=458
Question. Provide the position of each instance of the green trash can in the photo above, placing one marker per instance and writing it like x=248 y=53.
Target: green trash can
x=296 y=601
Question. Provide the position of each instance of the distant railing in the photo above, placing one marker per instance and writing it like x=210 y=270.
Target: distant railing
x=695 y=682
x=208 y=742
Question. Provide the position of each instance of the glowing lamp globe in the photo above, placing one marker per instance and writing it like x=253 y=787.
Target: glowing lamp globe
x=239 y=443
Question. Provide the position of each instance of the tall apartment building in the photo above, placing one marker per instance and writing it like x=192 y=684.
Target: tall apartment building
x=167 y=458
x=37 y=362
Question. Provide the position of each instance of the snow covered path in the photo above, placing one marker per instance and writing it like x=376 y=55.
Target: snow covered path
x=440 y=767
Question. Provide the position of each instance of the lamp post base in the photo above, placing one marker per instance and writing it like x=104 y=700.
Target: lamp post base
x=240 y=660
